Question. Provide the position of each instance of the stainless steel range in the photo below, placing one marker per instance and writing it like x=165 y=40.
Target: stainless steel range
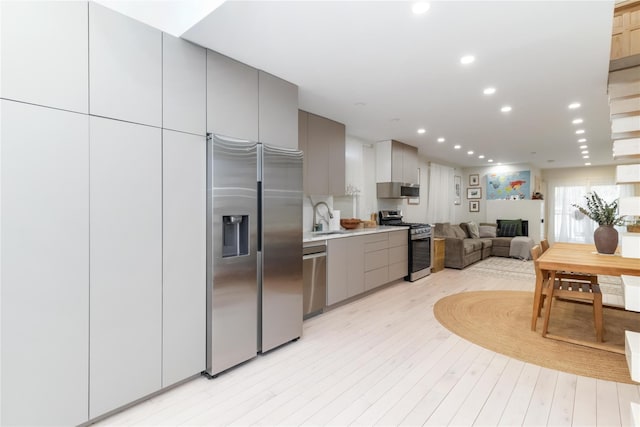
x=420 y=243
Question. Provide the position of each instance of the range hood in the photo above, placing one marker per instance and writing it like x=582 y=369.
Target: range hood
x=397 y=190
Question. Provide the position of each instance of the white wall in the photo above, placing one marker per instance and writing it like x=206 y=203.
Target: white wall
x=463 y=213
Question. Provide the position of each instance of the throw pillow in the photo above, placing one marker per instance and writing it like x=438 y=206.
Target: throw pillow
x=474 y=232
x=459 y=233
x=487 y=231
x=508 y=230
x=516 y=222
x=463 y=226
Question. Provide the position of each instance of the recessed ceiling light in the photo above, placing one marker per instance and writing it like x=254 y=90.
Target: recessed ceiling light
x=490 y=160
x=582 y=140
x=585 y=157
x=359 y=104
x=470 y=152
x=582 y=147
x=587 y=164
x=505 y=109
x=481 y=156
x=467 y=59
x=577 y=121
x=574 y=105
x=499 y=164
x=579 y=131
x=441 y=139
x=420 y=7
x=421 y=131
x=489 y=91
x=457 y=147
x=585 y=152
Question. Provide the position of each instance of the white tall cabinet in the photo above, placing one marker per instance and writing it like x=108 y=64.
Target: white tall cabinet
x=125 y=68
x=44 y=286
x=44 y=50
x=125 y=263
x=184 y=265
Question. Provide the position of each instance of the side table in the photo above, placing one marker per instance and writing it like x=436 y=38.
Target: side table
x=438 y=257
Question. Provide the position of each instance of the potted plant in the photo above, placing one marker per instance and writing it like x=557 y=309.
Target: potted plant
x=606 y=215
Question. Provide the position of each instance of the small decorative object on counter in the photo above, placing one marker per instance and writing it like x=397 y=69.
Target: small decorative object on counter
x=350 y=223
x=606 y=215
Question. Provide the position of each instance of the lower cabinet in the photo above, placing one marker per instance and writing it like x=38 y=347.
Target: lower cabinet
x=361 y=263
x=125 y=304
x=398 y=254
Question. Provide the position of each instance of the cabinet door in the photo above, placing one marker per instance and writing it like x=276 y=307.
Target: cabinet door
x=183 y=255
x=45 y=53
x=278 y=111
x=45 y=265
x=125 y=263
x=303 y=146
x=125 y=66
x=410 y=164
x=337 y=160
x=337 y=270
x=232 y=97
x=318 y=155
x=184 y=86
x=355 y=259
x=397 y=155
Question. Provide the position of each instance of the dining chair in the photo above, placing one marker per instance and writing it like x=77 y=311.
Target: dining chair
x=544 y=245
x=572 y=291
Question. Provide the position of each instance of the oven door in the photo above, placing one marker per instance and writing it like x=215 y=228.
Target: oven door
x=420 y=258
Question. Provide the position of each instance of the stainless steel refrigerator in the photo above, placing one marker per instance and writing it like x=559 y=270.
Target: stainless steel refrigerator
x=254 y=249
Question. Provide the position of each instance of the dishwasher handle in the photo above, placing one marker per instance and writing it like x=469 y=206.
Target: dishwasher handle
x=315 y=255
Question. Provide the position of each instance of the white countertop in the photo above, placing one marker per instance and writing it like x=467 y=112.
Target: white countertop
x=310 y=236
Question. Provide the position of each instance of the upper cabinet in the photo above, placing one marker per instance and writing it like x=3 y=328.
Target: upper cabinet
x=45 y=54
x=232 y=97
x=278 y=110
x=125 y=67
x=625 y=39
x=324 y=152
x=184 y=86
x=396 y=162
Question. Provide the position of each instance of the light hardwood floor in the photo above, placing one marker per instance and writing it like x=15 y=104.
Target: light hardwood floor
x=385 y=360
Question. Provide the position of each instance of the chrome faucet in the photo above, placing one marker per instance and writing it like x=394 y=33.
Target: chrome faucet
x=316 y=226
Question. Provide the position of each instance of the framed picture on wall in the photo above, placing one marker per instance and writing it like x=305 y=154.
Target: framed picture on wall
x=474 y=180
x=474 y=193
x=474 y=206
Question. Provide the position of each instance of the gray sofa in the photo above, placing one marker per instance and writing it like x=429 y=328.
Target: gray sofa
x=462 y=250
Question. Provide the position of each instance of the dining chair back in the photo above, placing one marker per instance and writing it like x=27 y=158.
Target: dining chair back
x=572 y=291
x=544 y=245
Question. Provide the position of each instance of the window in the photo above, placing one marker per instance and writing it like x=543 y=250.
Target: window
x=569 y=225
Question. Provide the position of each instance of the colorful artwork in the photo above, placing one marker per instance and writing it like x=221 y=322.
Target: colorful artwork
x=509 y=185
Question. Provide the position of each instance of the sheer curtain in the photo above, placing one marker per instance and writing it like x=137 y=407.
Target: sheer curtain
x=440 y=200
x=569 y=225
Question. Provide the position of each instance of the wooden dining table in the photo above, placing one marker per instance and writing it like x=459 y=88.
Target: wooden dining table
x=579 y=258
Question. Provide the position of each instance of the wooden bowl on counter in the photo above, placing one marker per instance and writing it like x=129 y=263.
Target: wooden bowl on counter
x=350 y=223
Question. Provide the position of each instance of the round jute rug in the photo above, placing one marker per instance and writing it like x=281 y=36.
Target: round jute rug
x=501 y=321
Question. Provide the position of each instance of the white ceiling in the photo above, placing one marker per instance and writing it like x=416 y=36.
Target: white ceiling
x=386 y=72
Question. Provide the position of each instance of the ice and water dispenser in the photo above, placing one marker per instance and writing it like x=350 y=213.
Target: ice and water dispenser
x=235 y=235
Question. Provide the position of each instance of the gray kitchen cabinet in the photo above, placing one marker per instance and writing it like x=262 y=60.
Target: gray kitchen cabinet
x=303 y=145
x=125 y=305
x=45 y=265
x=337 y=268
x=45 y=53
x=125 y=68
x=376 y=266
x=184 y=86
x=184 y=195
x=396 y=162
x=278 y=111
x=325 y=173
x=398 y=254
x=232 y=97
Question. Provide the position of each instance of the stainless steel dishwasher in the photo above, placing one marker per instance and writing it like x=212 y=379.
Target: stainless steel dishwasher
x=314 y=266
